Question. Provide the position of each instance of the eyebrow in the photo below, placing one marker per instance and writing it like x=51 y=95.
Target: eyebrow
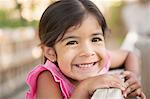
x=95 y=34
x=75 y=37
x=69 y=37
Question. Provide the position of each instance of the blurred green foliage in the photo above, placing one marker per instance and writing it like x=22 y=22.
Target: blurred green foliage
x=7 y=21
x=115 y=22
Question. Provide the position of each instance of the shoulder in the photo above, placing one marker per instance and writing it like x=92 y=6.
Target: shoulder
x=47 y=87
x=45 y=77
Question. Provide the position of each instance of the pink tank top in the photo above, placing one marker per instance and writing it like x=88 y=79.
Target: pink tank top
x=66 y=86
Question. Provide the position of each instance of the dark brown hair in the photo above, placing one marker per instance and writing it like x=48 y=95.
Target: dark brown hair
x=63 y=14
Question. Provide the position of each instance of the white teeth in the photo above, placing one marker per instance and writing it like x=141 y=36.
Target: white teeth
x=85 y=65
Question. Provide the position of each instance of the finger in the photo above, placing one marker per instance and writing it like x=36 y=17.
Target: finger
x=135 y=93
x=109 y=80
x=117 y=85
x=129 y=82
x=119 y=77
x=128 y=74
x=120 y=80
x=132 y=88
x=115 y=81
x=142 y=95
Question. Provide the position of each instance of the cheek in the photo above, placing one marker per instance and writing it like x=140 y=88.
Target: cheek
x=65 y=57
x=102 y=54
x=64 y=62
x=101 y=50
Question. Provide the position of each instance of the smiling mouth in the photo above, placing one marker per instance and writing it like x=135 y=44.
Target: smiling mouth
x=86 y=65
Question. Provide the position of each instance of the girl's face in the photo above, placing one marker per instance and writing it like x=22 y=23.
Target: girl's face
x=81 y=52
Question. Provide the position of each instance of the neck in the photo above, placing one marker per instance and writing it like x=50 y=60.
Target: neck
x=74 y=82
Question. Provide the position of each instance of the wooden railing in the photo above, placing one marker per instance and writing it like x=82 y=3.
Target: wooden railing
x=112 y=93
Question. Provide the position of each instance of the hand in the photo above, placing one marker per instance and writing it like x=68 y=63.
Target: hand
x=133 y=86
x=103 y=81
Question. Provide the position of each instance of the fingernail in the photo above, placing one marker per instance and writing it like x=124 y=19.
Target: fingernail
x=121 y=76
x=125 y=95
x=123 y=88
x=126 y=84
x=138 y=92
x=128 y=90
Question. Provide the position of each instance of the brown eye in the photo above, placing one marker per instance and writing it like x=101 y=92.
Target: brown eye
x=96 y=39
x=72 y=43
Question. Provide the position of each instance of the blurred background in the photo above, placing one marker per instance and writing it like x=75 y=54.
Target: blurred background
x=19 y=49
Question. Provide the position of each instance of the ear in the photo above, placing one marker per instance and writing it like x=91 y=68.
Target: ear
x=49 y=53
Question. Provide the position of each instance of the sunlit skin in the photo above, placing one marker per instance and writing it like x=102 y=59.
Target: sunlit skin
x=81 y=55
x=81 y=52
x=76 y=62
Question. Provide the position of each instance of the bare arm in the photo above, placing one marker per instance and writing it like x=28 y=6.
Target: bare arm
x=117 y=58
x=126 y=58
x=47 y=87
x=132 y=63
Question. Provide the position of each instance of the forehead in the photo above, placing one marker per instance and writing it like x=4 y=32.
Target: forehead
x=88 y=24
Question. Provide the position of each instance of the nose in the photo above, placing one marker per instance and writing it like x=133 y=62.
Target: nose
x=87 y=51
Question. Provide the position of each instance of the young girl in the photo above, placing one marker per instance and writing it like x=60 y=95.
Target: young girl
x=72 y=34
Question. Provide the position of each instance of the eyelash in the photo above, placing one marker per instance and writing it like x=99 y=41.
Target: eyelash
x=75 y=42
x=97 y=39
x=72 y=43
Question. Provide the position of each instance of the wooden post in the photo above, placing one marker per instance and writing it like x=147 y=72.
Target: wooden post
x=112 y=93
